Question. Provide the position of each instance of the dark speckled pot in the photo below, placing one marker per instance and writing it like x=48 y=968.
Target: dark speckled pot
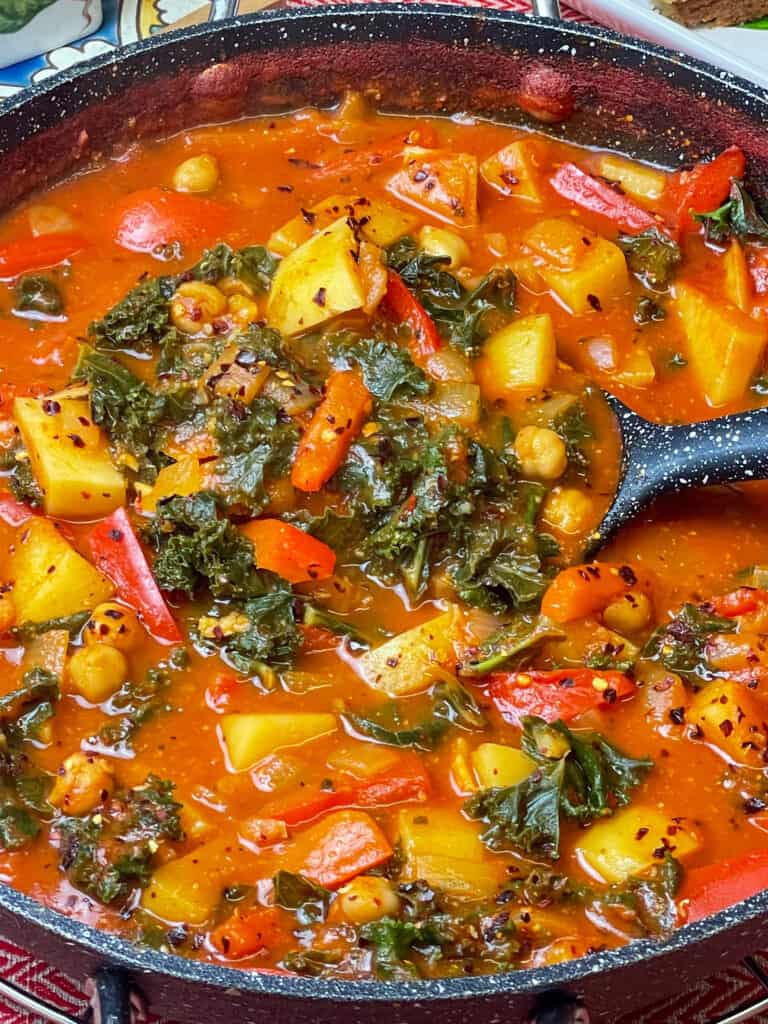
x=626 y=94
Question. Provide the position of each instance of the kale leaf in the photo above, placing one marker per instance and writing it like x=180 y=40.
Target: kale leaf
x=39 y=294
x=264 y=631
x=139 y=321
x=652 y=256
x=23 y=483
x=254 y=265
x=134 y=704
x=388 y=370
x=681 y=644
x=295 y=892
x=738 y=217
x=73 y=624
x=520 y=635
x=650 y=897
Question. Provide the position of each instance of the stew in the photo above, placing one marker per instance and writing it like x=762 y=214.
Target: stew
x=302 y=434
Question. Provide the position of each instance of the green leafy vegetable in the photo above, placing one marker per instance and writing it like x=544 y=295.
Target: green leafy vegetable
x=295 y=892
x=139 y=321
x=522 y=634
x=388 y=370
x=39 y=294
x=314 y=616
x=653 y=256
x=681 y=644
x=254 y=265
x=738 y=217
x=134 y=704
x=648 y=311
x=23 y=483
x=651 y=898
x=73 y=624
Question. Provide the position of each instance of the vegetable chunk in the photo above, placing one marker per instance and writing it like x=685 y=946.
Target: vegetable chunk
x=724 y=345
x=50 y=579
x=70 y=457
x=516 y=170
x=249 y=738
x=412 y=661
x=317 y=281
x=338 y=848
x=628 y=843
x=442 y=182
x=733 y=719
x=445 y=851
x=380 y=223
x=496 y=764
x=519 y=357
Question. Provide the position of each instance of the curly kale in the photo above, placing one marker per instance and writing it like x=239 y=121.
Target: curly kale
x=139 y=321
x=652 y=256
x=738 y=217
x=388 y=370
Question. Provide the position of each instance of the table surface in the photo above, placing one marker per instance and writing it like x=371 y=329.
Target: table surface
x=126 y=21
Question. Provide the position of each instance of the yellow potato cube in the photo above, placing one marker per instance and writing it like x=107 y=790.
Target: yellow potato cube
x=70 y=458
x=380 y=223
x=317 y=281
x=439 y=181
x=633 y=840
x=738 y=284
x=516 y=170
x=496 y=764
x=724 y=345
x=519 y=357
x=50 y=579
x=732 y=718
x=249 y=738
x=414 y=660
x=444 y=849
x=638 y=181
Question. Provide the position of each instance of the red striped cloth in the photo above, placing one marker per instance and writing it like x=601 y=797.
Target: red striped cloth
x=720 y=994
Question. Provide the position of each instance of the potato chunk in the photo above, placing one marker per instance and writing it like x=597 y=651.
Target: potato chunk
x=50 y=579
x=414 y=660
x=738 y=283
x=380 y=223
x=496 y=764
x=724 y=345
x=633 y=840
x=439 y=181
x=733 y=719
x=643 y=183
x=444 y=849
x=519 y=357
x=69 y=456
x=583 y=269
x=317 y=281
x=249 y=738
x=515 y=170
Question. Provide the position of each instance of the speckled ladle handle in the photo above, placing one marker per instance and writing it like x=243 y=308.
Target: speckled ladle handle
x=660 y=459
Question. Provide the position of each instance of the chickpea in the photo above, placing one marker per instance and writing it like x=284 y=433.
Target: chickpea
x=113 y=624
x=243 y=309
x=367 y=898
x=441 y=242
x=628 y=613
x=7 y=611
x=541 y=453
x=234 y=286
x=197 y=174
x=196 y=304
x=84 y=781
x=96 y=672
x=568 y=510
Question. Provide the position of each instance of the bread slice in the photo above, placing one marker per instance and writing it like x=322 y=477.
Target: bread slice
x=712 y=12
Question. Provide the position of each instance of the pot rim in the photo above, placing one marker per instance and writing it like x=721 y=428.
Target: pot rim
x=124 y=953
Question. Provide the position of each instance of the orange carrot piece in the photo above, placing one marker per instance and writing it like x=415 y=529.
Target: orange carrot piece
x=335 y=424
x=339 y=847
x=292 y=553
x=245 y=934
x=583 y=590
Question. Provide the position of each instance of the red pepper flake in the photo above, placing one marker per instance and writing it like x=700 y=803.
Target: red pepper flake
x=51 y=407
x=76 y=440
x=319 y=298
x=595 y=303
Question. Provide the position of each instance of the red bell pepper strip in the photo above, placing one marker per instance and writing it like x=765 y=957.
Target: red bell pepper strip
x=703 y=188
x=338 y=848
x=712 y=888
x=402 y=307
x=582 y=590
x=597 y=196
x=153 y=217
x=739 y=602
x=318 y=638
x=245 y=934
x=563 y=693
x=335 y=423
x=13 y=512
x=118 y=554
x=37 y=253
x=292 y=553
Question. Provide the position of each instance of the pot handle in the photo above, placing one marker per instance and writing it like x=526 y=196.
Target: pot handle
x=113 y=999
x=546 y=9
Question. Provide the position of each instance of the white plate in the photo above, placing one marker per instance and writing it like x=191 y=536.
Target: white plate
x=743 y=51
x=55 y=24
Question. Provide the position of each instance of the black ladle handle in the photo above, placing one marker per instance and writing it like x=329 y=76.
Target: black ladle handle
x=546 y=9
x=660 y=459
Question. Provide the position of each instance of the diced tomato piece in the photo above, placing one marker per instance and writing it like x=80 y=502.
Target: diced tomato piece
x=405 y=781
x=597 y=196
x=404 y=308
x=563 y=693
x=582 y=590
x=292 y=553
x=13 y=512
x=118 y=554
x=712 y=888
x=335 y=423
x=738 y=602
x=248 y=933
x=338 y=848
x=27 y=254
x=704 y=187
x=154 y=217
x=219 y=694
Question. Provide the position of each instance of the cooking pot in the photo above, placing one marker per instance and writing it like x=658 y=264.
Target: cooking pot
x=589 y=86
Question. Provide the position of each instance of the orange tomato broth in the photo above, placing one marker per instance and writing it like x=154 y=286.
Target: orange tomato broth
x=694 y=546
